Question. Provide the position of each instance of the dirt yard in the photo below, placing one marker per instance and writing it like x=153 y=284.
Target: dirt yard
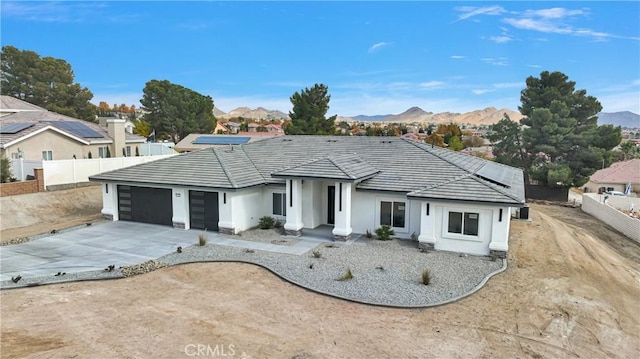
x=572 y=290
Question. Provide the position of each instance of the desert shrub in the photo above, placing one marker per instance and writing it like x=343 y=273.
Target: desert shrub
x=202 y=239
x=317 y=254
x=266 y=222
x=384 y=233
x=426 y=277
x=347 y=276
x=369 y=234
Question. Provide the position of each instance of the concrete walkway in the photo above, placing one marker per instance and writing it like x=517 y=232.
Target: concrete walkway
x=113 y=243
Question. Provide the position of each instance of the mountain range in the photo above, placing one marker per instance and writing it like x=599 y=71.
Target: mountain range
x=487 y=116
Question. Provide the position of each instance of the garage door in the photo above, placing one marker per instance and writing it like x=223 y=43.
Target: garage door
x=203 y=210
x=147 y=205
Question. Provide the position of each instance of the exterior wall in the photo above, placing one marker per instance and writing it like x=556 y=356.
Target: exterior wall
x=241 y=211
x=364 y=218
x=592 y=187
x=630 y=227
x=115 y=128
x=267 y=201
x=312 y=203
x=180 y=204
x=110 y=201
x=493 y=228
x=62 y=147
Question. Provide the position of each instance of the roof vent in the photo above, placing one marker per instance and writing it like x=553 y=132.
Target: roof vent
x=385 y=141
x=286 y=140
x=332 y=140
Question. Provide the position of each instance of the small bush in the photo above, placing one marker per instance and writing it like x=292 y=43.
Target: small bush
x=277 y=224
x=369 y=234
x=426 y=277
x=347 y=276
x=384 y=233
x=266 y=222
x=202 y=239
x=317 y=254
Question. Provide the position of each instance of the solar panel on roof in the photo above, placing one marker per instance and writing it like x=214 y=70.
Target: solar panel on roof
x=495 y=173
x=77 y=128
x=12 y=128
x=220 y=140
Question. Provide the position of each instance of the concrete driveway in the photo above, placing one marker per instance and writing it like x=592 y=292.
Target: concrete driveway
x=92 y=248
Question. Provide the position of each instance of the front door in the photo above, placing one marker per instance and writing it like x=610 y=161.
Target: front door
x=331 y=205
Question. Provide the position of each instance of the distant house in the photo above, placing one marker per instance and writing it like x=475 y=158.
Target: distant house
x=34 y=133
x=253 y=127
x=616 y=177
x=233 y=127
x=220 y=129
x=196 y=141
x=274 y=128
x=444 y=199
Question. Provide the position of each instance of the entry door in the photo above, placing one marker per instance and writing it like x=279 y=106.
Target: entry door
x=331 y=207
x=203 y=210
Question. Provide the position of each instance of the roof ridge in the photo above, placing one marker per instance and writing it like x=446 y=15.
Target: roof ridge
x=252 y=163
x=315 y=159
x=224 y=167
x=446 y=182
x=330 y=158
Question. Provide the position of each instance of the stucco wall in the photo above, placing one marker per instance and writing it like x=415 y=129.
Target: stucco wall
x=630 y=227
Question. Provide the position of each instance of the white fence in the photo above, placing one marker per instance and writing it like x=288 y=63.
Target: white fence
x=61 y=172
x=594 y=205
x=21 y=168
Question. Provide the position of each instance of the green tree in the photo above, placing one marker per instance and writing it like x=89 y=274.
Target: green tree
x=508 y=147
x=455 y=143
x=310 y=107
x=629 y=150
x=562 y=141
x=5 y=168
x=142 y=128
x=44 y=81
x=175 y=111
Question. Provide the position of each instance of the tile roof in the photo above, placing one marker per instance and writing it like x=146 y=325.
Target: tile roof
x=340 y=167
x=384 y=163
x=619 y=172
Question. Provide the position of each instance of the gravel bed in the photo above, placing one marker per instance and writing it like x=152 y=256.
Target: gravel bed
x=384 y=272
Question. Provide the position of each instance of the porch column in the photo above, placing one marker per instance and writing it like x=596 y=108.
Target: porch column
x=110 y=201
x=427 y=237
x=225 y=213
x=342 y=227
x=294 y=224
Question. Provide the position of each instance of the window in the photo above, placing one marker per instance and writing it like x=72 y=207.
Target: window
x=279 y=204
x=128 y=151
x=47 y=155
x=392 y=214
x=102 y=152
x=463 y=223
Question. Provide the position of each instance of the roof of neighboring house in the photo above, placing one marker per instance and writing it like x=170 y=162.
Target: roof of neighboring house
x=31 y=119
x=198 y=141
x=619 y=172
x=381 y=163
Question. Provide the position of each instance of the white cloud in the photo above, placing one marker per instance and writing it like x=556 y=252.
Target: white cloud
x=534 y=66
x=431 y=84
x=377 y=46
x=555 y=21
x=54 y=12
x=467 y=12
x=507 y=85
x=481 y=91
x=499 y=61
x=621 y=101
x=503 y=39
x=457 y=57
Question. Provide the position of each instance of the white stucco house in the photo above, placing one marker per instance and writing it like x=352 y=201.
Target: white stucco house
x=451 y=201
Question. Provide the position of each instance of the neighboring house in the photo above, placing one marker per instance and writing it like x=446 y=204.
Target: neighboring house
x=253 y=127
x=450 y=201
x=197 y=141
x=33 y=133
x=233 y=127
x=274 y=128
x=616 y=177
x=220 y=129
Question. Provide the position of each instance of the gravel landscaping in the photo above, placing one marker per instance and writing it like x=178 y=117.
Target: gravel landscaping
x=384 y=272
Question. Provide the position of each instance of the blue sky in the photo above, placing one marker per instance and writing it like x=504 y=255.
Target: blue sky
x=375 y=57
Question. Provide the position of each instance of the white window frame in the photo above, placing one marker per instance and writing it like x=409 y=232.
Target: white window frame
x=283 y=209
x=407 y=214
x=102 y=152
x=466 y=237
x=47 y=155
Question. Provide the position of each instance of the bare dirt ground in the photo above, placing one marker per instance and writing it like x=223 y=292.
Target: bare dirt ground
x=572 y=290
x=36 y=213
